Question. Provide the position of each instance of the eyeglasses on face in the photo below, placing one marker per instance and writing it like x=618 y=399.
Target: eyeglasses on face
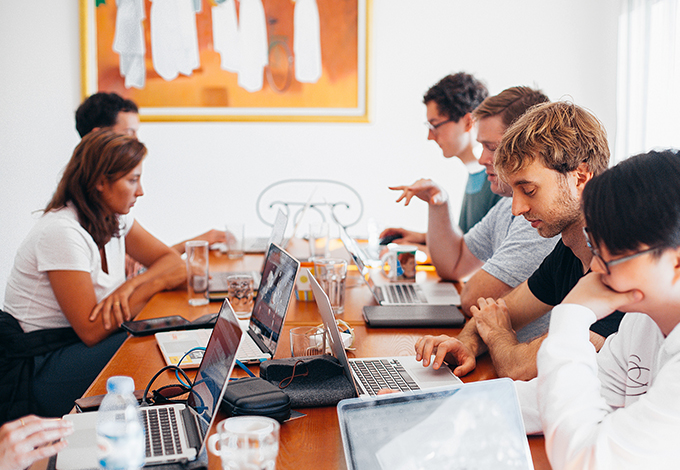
x=433 y=127
x=608 y=264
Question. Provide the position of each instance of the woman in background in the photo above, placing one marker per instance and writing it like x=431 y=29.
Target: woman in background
x=67 y=294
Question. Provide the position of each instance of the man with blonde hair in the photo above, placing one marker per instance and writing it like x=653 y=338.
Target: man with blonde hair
x=547 y=156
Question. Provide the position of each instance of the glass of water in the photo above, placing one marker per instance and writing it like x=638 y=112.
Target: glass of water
x=332 y=275
x=240 y=294
x=197 y=272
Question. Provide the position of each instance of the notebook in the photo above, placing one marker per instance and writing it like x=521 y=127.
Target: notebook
x=413 y=316
x=399 y=293
x=266 y=321
x=217 y=285
x=372 y=374
x=189 y=424
x=473 y=425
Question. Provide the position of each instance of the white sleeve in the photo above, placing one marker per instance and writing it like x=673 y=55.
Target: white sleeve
x=64 y=246
x=581 y=430
x=526 y=393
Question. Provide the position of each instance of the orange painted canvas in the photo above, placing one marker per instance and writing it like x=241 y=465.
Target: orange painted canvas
x=211 y=93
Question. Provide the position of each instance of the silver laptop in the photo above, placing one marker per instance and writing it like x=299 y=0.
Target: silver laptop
x=474 y=425
x=270 y=307
x=265 y=324
x=217 y=285
x=183 y=436
x=369 y=375
x=399 y=293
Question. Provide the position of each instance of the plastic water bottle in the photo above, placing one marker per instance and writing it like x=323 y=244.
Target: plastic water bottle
x=120 y=435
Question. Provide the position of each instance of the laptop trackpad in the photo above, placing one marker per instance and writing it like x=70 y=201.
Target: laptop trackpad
x=440 y=293
x=428 y=377
x=81 y=452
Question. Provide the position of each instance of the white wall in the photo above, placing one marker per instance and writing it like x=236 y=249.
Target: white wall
x=566 y=48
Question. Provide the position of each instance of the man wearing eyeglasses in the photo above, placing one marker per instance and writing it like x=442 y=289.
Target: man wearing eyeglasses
x=449 y=105
x=547 y=156
x=501 y=251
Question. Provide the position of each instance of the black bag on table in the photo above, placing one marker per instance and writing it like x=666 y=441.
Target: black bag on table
x=309 y=381
x=255 y=396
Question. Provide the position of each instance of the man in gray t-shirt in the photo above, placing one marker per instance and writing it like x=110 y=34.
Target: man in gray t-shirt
x=501 y=251
x=509 y=246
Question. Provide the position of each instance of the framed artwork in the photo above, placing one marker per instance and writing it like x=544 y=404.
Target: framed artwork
x=230 y=60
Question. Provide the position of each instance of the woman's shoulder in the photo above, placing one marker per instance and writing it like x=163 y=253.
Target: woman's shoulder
x=58 y=224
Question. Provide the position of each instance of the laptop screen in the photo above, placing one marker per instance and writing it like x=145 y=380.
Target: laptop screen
x=216 y=366
x=273 y=296
x=279 y=228
x=475 y=425
x=357 y=257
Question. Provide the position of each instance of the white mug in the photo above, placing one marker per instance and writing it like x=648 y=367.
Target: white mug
x=246 y=442
x=399 y=263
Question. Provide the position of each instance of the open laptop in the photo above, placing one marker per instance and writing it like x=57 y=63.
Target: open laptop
x=188 y=424
x=266 y=321
x=217 y=285
x=372 y=374
x=399 y=293
x=473 y=425
x=256 y=245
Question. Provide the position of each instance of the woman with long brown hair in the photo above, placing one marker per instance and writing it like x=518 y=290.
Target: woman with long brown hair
x=68 y=289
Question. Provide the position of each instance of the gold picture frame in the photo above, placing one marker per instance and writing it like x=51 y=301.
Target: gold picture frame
x=212 y=94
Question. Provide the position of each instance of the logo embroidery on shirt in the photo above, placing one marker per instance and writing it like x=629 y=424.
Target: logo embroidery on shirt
x=638 y=377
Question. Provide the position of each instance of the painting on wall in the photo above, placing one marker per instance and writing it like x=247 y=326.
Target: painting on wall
x=230 y=60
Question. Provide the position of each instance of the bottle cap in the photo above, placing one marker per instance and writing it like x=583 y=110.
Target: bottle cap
x=120 y=384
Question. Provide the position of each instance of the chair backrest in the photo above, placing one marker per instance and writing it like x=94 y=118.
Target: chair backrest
x=319 y=200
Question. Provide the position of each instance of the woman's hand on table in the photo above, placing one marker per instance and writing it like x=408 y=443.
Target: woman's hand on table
x=29 y=439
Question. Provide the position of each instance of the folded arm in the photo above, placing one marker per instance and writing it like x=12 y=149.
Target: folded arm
x=165 y=271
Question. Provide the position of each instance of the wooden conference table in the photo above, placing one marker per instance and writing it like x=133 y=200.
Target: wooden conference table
x=314 y=441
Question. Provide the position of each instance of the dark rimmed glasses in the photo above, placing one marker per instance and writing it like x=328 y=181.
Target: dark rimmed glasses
x=608 y=264
x=433 y=127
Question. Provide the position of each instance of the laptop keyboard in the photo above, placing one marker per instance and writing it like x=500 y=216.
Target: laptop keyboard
x=377 y=374
x=401 y=294
x=248 y=348
x=162 y=433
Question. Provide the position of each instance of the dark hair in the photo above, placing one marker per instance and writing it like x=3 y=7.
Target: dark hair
x=101 y=110
x=561 y=135
x=509 y=104
x=102 y=154
x=456 y=95
x=636 y=202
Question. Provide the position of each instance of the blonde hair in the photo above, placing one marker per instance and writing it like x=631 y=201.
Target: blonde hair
x=561 y=135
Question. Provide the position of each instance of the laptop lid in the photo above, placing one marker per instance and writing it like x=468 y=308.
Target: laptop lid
x=359 y=260
x=326 y=312
x=202 y=405
x=273 y=297
x=423 y=377
x=213 y=374
x=278 y=229
x=413 y=316
x=474 y=425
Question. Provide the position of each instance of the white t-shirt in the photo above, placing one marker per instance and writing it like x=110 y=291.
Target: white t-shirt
x=58 y=242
